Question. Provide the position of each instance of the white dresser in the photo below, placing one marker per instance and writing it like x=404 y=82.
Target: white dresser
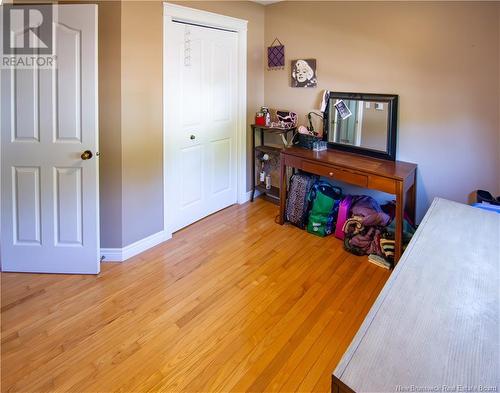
x=435 y=325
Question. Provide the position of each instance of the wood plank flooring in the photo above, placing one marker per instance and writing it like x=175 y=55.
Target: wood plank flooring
x=232 y=303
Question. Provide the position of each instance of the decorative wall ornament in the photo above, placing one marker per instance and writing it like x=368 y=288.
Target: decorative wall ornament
x=187 y=47
x=276 y=56
x=303 y=73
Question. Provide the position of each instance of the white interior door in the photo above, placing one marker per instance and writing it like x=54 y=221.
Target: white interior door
x=201 y=121
x=49 y=193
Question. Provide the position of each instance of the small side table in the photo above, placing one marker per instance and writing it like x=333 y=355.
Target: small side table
x=273 y=194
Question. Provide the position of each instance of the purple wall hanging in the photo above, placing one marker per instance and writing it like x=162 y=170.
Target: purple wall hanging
x=276 y=56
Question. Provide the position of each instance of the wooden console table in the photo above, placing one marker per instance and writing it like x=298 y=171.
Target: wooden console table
x=393 y=177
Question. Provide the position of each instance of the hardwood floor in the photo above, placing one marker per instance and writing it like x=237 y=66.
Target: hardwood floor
x=233 y=303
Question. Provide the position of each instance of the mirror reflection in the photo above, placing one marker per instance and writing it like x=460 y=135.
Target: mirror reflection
x=359 y=123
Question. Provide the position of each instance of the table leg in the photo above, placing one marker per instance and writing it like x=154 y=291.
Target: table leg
x=281 y=219
x=253 y=175
x=411 y=200
x=254 y=170
x=400 y=203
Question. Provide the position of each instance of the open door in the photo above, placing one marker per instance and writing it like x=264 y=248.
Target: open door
x=49 y=140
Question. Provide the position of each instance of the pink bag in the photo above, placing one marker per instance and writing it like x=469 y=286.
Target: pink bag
x=344 y=208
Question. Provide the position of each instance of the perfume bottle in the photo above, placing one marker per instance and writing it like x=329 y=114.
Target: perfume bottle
x=267 y=115
x=262 y=176
x=268 y=182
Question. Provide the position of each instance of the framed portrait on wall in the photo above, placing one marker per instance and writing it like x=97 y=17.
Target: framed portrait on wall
x=304 y=73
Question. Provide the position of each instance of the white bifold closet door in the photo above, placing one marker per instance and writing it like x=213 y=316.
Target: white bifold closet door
x=201 y=121
x=49 y=206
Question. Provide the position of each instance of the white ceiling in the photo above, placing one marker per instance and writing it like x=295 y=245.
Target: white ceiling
x=266 y=2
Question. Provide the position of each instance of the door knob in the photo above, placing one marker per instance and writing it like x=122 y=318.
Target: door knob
x=87 y=155
x=192 y=137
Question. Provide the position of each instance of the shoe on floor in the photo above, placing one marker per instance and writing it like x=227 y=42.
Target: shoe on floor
x=486 y=197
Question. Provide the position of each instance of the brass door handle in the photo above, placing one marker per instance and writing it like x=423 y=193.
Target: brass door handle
x=86 y=155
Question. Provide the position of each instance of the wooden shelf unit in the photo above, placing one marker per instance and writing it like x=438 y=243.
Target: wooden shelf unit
x=268 y=149
x=273 y=194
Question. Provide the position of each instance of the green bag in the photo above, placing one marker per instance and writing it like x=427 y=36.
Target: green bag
x=325 y=200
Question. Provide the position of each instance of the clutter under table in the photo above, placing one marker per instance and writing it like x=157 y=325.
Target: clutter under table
x=393 y=177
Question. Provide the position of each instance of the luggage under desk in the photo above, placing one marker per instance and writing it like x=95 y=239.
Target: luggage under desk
x=393 y=177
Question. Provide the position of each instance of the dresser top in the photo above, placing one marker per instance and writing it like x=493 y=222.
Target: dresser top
x=399 y=170
x=436 y=321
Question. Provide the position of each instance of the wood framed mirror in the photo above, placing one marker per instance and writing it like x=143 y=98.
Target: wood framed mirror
x=362 y=123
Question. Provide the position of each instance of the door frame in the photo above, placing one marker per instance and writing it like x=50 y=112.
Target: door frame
x=179 y=13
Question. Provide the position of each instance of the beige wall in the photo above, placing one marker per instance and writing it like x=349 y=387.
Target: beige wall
x=141 y=119
x=110 y=131
x=441 y=58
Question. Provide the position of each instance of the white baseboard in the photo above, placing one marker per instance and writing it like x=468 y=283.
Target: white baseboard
x=111 y=255
x=248 y=196
x=122 y=254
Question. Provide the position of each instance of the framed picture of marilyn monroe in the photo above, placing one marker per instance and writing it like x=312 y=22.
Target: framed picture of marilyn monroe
x=303 y=73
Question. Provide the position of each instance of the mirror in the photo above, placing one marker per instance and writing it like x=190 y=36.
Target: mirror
x=362 y=123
